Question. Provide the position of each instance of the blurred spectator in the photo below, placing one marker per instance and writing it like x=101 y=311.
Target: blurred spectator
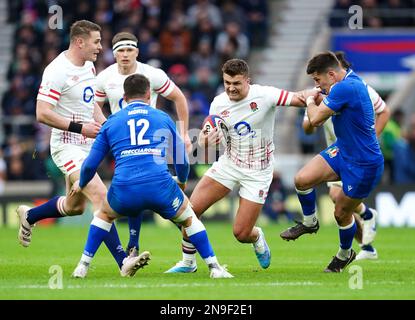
x=396 y=14
x=180 y=75
x=19 y=161
x=163 y=29
x=204 y=82
x=233 y=12
x=204 y=57
x=175 y=43
x=3 y=173
x=404 y=156
x=204 y=31
x=308 y=142
x=391 y=133
x=257 y=21
x=233 y=36
x=377 y=13
x=144 y=42
x=201 y=9
x=274 y=206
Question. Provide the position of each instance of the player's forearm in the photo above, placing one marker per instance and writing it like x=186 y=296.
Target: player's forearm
x=98 y=114
x=381 y=120
x=181 y=160
x=307 y=127
x=317 y=114
x=315 y=118
x=90 y=166
x=49 y=117
x=182 y=113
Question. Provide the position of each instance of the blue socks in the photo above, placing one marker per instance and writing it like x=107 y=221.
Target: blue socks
x=367 y=215
x=308 y=204
x=100 y=231
x=134 y=224
x=346 y=235
x=51 y=209
x=201 y=242
x=112 y=241
x=368 y=247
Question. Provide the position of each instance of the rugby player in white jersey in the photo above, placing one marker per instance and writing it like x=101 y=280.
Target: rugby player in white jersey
x=365 y=235
x=110 y=87
x=249 y=113
x=65 y=102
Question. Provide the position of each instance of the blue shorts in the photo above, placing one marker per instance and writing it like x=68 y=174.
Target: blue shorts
x=162 y=196
x=358 y=181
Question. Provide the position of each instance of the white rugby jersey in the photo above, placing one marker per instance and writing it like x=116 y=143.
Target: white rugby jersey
x=378 y=106
x=71 y=90
x=110 y=85
x=251 y=124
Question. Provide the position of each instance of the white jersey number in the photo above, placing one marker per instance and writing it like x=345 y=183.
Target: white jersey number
x=138 y=140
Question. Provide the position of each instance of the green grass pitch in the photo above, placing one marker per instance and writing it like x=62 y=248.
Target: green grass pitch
x=296 y=271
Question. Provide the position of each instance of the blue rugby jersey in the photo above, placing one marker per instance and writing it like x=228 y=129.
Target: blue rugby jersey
x=354 y=121
x=140 y=139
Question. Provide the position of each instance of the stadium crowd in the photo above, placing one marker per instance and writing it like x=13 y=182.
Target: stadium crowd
x=188 y=39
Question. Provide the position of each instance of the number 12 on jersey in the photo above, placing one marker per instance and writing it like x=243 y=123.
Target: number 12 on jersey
x=138 y=139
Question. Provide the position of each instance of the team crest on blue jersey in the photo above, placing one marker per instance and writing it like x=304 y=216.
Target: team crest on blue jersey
x=254 y=106
x=332 y=152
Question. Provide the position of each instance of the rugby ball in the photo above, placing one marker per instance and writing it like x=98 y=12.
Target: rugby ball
x=213 y=121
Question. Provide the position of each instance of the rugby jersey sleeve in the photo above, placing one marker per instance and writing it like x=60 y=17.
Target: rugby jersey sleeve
x=277 y=97
x=160 y=82
x=100 y=94
x=180 y=157
x=378 y=103
x=52 y=85
x=338 y=96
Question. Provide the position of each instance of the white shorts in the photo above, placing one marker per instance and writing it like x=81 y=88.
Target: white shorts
x=254 y=183
x=69 y=157
x=335 y=183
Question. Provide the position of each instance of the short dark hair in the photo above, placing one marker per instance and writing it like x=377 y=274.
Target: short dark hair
x=82 y=28
x=235 y=67
x=136 y=85
x=123 y=36
x=341 y=56
x=322 y=62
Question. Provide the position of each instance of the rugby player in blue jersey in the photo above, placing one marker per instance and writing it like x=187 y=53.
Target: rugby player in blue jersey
x=354 y=158
x=140 y=138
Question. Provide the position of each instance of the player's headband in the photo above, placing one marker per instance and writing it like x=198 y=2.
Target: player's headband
x=123 y=44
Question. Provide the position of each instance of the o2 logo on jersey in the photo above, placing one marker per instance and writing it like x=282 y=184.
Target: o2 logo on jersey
x=88 y=94
x=243 y=129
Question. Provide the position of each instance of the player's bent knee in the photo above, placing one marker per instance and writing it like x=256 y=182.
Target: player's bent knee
x=333 y=193
x=241 y=234
x=191 y=223
x=300 y=182
x=340 y=214
x=76 y=210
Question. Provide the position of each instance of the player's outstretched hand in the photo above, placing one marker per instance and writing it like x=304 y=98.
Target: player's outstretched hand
x=75 y=189
x=91 y=129
x=188 y=143
x=315 y=92
x=210 y=139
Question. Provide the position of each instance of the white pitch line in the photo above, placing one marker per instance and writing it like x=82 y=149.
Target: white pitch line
x=172 y=285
